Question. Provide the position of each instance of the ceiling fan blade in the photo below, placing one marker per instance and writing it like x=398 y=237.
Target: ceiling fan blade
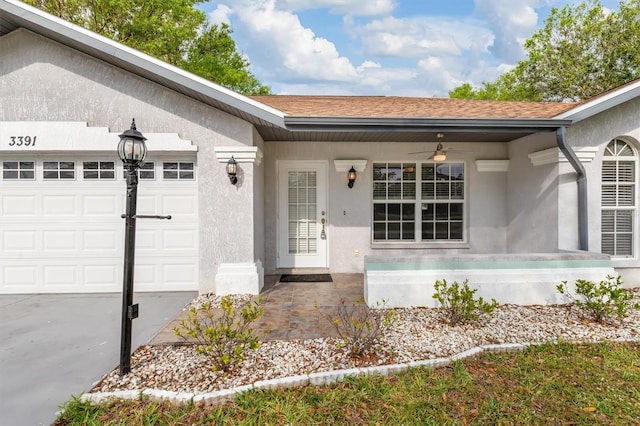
x=419 y=152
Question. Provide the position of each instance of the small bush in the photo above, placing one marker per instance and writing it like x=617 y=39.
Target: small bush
x=458 y=303
x=222 y=334
x=361 y=328
x=601 y=301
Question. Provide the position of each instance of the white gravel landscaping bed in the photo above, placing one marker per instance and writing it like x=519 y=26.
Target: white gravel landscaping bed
x=419 y=336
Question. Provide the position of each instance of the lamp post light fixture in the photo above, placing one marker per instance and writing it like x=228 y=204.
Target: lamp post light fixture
x=352 y=177
x=232 y=170
x=132 y=151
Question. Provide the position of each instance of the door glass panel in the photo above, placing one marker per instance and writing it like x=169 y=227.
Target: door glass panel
x=302 y=212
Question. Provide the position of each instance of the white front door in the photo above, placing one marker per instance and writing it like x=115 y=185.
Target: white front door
x=302 y=214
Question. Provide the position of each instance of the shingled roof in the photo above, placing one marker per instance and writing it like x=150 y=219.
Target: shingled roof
x=410 y=107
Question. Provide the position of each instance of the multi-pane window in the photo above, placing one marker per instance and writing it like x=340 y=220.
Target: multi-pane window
x=58 y=170
x=418 y=202
x=618 y=199
x=442 y=201
x=18 y=170
x=178 y=170
x=147 y=170
x=99 y=169
x=394 y=201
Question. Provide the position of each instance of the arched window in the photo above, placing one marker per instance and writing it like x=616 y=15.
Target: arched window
x=618 y=199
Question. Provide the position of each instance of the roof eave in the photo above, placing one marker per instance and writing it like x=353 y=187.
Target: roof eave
x=384 y=124
x=105 y=49
x=601 y=103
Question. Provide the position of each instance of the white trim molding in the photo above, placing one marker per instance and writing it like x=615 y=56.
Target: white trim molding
x=554 y=155
x=345 y=165
x=77 y=136
x=242 y=154
x=492 y=165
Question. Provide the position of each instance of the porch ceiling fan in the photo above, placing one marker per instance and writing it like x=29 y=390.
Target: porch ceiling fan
x=440 y=153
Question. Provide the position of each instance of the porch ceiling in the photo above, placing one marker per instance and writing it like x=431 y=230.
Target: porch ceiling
x=381 y=129
x=274 y=134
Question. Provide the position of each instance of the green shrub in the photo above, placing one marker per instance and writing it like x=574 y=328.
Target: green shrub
x=361 y=328
x=222 y=334
x=458 y=304
x=601 y=301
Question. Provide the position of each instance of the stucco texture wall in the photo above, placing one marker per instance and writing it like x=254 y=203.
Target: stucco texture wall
x=621 y=122
x=41 y=80
x=532 y=198
x=350 y=210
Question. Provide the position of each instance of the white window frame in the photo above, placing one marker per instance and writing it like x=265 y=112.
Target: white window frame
x=616 y=208
x=19 y=169
x=418 y=242
x=58 y=170
x=179 y=171
x=99 y=170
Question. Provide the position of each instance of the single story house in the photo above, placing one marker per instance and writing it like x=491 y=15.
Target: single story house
x=518 y=196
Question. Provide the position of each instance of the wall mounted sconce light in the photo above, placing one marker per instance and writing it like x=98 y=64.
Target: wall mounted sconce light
x=352 y=177
x=232 y=170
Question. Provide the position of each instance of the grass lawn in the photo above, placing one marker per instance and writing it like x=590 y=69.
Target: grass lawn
x=564 y=384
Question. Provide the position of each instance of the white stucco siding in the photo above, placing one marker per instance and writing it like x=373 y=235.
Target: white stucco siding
x=532 y=198
x=41 y=80
x=350 y=210
x=596 y=132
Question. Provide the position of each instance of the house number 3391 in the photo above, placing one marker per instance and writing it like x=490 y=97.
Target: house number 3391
x=22 y=140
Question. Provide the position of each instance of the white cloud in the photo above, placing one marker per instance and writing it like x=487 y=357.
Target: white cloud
x=512 y=22
x=414 y=56
x=342 y=7
x=221 y=14
x=423 y=36
x=291 y=49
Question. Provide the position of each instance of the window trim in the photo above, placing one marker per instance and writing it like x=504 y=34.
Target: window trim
x=19 y=169
x=178 y=162
x=635 y=208
x=99 y=170
x=58 y=170
x=450 y=244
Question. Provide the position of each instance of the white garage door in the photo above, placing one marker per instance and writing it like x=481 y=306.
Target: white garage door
x=62 y=231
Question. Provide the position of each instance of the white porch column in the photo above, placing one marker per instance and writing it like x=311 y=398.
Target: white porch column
x=239 y=278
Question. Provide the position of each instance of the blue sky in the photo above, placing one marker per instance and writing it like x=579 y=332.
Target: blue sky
x=381 y=47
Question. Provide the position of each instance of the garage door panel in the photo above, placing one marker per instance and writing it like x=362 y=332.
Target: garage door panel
x=179 y=239
x=19 y=205
x=179 y=205
x=59 y=205
x=18 y=277
x=177 y=275
x=103 y=240
x=96 y=276
x=146 y=239
x=57 y=241
x=101 y=205
x=60 y=276
x=147 y=204
x=146 y=275
x=19 y=241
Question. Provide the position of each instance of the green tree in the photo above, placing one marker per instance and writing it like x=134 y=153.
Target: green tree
x=214 y=56
x=581 y=51
x=174 y=31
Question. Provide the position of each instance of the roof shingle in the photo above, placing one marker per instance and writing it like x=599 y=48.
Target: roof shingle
x=396 y=106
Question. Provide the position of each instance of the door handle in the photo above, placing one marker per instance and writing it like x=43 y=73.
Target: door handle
x=323 y=221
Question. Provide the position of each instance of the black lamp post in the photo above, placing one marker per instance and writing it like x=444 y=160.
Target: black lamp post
x=131 y=151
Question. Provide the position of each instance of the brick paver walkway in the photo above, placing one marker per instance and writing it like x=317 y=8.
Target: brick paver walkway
x=290 y=311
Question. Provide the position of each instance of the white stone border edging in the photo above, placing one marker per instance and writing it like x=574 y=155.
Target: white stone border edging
x=314 y=379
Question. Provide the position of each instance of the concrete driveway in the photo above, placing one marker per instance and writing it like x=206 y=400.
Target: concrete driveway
x=56 y=346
